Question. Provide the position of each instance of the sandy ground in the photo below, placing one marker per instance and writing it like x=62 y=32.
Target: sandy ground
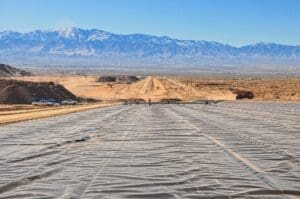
x=269 y=89
x=154 y=88
x=157 y=88
x=226 y=150
x=17 y=113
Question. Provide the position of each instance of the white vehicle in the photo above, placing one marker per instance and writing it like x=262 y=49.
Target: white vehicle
x=69 y=102
x=43 y=103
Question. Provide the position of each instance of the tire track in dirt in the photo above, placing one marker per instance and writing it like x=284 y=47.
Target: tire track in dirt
x=146 y=84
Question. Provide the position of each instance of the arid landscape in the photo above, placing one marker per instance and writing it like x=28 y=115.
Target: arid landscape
x=185 y=89
x=104 y=90
x=134 y=99
x=186 y=143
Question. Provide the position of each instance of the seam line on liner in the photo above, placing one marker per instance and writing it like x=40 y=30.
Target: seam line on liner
x=253 y=167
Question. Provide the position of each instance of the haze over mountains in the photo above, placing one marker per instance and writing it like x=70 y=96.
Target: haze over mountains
x=93 y=46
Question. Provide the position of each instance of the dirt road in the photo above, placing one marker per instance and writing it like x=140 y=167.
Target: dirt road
x=164 y=151
x=30 y=112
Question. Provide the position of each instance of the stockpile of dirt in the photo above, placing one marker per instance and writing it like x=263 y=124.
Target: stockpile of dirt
x=8 y=71
x=22 y=92
x=242 y=94
x=134 y=101
x=124 y=79
x=170 y=100
x=127 y=79
x=107 y=79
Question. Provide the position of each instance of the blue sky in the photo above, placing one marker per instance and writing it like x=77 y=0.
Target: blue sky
x=236 y=22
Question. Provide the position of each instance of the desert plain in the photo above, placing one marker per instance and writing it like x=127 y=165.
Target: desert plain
x=183 y=88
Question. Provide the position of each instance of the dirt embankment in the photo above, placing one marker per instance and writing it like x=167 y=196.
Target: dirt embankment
x=17 y=113
x=23 y=92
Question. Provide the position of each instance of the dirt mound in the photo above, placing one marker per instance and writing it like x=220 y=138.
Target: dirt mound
x=127 y=79
x=105 y=79
x=210 y=84
x=124 y=79
x=21 y=92
x=13 y=94
x=134 y=101
x=8 y=71
x=242 y=94
x=170 y=100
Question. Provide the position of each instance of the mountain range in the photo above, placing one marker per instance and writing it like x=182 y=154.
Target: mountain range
x=8 y=71
x=100 y=47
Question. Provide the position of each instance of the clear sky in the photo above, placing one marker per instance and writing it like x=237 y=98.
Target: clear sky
x=236 y=22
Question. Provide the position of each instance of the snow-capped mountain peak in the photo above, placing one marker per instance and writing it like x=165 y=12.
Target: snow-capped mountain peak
x=101 y=45
x=98 y=36
x=68 y=32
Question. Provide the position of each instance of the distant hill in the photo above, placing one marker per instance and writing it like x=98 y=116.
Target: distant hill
x=8 y=71
x=97 y=46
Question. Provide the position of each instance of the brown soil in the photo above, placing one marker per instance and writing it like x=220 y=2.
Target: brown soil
x=242 y=94
x=22 y=92
x=123 y=79
x=157 y=88
x=107 y=79
x=262 y=89
x=170 y=100
x=17 y=113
